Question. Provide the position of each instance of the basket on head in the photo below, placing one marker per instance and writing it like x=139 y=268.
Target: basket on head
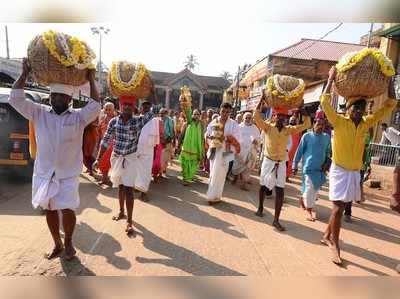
x=284 y=91
x=129 y=79
x=59 y=58
x=364 y=74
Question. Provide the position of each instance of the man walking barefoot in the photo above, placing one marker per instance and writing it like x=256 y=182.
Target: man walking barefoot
x=347 y=156
x=125 y=130
x=58 y=163
x=273 y=169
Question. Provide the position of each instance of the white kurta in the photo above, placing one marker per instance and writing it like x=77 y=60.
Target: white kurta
x=247 y=135
x=148 y=139
x=220 y=164
x=58 y=160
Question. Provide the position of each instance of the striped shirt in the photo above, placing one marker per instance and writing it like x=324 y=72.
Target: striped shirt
x=125 y=134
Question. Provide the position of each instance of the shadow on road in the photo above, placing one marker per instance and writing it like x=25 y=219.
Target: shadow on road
x=88 y=239
x=311 y=235
x=183 y=202
x=180 y=257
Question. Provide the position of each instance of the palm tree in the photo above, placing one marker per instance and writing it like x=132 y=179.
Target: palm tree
x=226 y=75
x=191 y=62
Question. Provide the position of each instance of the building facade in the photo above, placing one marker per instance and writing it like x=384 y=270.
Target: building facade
x=308 y=59
x=207 y=91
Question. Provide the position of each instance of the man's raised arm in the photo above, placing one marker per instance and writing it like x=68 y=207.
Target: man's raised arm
x=18 y=101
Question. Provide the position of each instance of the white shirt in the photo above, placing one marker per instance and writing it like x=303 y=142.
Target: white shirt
x=149 y=137
x=392 y=135
x=58 y=137
x=248 y=134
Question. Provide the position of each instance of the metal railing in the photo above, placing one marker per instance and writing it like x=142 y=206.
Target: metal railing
x=384 y=154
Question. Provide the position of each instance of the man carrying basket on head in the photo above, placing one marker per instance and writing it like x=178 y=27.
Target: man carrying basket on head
x=347 y=156
x=58 y=163
x=125 y=131
x=273 y=169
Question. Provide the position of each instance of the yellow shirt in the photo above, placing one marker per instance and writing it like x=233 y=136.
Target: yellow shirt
x=348 y=140
x=275 y=141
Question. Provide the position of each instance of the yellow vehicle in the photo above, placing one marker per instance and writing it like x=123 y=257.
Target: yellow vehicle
x=17 y=141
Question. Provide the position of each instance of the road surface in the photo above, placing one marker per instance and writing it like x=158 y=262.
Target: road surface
x=177 y=233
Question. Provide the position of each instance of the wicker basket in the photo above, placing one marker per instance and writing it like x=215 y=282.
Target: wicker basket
x=364 y=80
x=287 y=83
x=46 y=69
x=127 y=70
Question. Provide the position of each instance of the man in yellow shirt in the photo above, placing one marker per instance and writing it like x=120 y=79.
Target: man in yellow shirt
x=273 y=169
x=347 y=156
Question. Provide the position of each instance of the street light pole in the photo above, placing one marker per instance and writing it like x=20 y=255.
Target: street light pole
x=100 y=30
x=100 y=65
x=237 y=89
x=7 y=47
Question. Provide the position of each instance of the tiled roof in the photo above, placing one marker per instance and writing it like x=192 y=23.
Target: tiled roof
x=209 y=81
x=318 y=49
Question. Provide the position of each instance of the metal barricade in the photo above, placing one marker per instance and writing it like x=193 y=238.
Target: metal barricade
x=384 y=154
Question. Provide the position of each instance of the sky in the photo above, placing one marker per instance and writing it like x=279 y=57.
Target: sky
x=161 y=34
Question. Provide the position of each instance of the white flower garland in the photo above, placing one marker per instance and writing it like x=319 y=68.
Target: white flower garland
x=288 y=93
x=134 y=75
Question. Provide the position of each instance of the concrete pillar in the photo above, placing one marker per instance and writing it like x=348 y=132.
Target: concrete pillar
x=167 y=96
x=201 y=100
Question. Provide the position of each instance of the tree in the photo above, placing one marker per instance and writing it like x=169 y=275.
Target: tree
x=191 y=62
x=226 y=75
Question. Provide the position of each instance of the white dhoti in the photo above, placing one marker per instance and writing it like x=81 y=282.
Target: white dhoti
x=55 y=194
x=273 y=173
x=344 y=185
x=310 y=193
x=144 y=165
x=219 y=167
x=124 y=169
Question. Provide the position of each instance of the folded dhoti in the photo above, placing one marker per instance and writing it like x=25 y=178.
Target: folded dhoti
x=124 y=169
x=344 y=185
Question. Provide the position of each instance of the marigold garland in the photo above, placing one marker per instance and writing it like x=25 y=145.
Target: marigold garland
x=133 y=83
x=351 y=59
x=276 y=90
x=80 y=56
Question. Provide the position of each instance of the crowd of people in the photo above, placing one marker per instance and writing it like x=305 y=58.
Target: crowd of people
x=131 y=148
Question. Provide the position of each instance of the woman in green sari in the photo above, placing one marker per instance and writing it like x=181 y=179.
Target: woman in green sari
x=192 y=151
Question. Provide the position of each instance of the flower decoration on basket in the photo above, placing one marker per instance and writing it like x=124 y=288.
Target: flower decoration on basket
x=74 y=52
x=56 y=57
x=363 y=74
x=129 y=79
x=284 y=91
x=351 y=59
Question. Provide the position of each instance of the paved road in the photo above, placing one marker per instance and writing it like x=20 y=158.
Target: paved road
x=179 y=234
